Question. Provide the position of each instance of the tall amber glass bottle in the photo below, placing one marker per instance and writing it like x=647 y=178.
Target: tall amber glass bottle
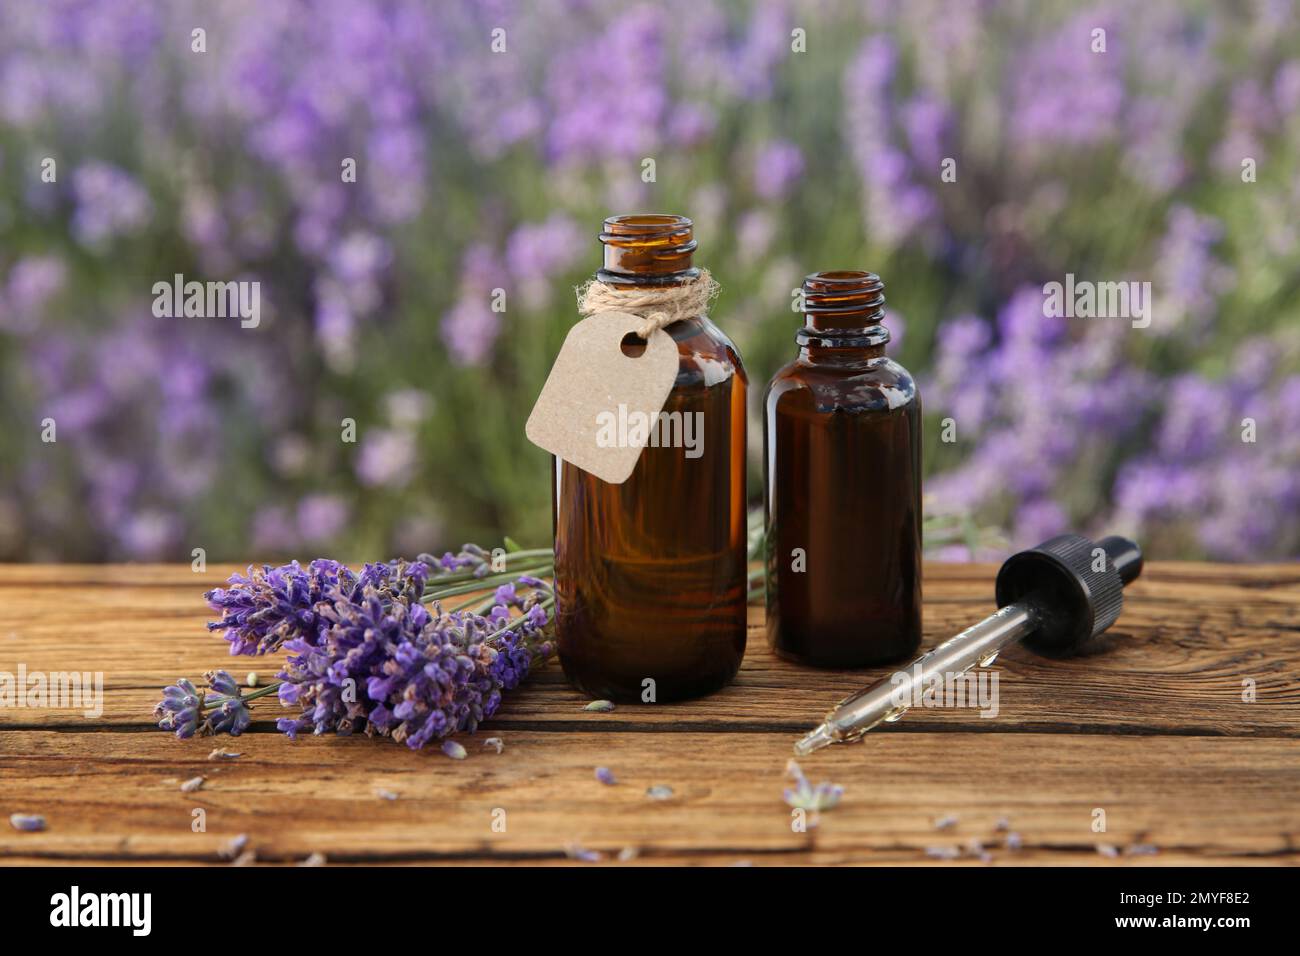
x=842 y=480
x=650 y=574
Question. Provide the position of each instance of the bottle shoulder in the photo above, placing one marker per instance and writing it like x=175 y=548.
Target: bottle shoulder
x=707 y=356
x=876 y=384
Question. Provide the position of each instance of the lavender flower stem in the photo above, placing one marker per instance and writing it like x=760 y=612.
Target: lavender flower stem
x=546 y=604
x=209 y=704
x=512 y=560
x=479 y=584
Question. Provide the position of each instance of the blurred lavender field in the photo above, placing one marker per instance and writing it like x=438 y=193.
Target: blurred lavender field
x=479 y=170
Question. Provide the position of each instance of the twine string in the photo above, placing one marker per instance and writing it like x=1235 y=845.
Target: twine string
x=655 y=307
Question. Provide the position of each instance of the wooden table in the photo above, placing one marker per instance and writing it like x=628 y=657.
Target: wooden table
x=1153 y=730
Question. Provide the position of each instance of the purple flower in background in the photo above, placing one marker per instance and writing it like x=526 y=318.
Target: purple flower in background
x=336 y=325
x=927 y=122
x=149 y=534
x=272 y=529
x=477 y=170
x=607 y=95
x=470 y=330
x=1027 y=403
x=536 y=252
x=321 y=517
x=360 y=257
x=896 y=325
x=691 y=124
x=1223 y=447
x=1064 y=93
x=386 y=457
x=896 y=206
x=751 y=65
x=755 y=232
x=110 y=203
x=777 y=167
x=1286 y=88
x=1189 y=277
x=1040 y=519
x=397 y=187
x=32 y=281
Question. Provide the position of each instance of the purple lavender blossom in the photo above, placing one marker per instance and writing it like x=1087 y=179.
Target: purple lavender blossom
x=110 y=203
x=691 y=124
x=470 y=330
x=266 y=607
x=1043 y=128
x=219 y=709
x=1064 y=93
x=897 y=207
x=607 y=96
x=386 y=458
x=804 y=796
x=32 y=281
x=777 y=167
x=537 y=252
x=321 y=517
x=1188 y=273
x=180 y=708
x=401 y=670
x=366 y=653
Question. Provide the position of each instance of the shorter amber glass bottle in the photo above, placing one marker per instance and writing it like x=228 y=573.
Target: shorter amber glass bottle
x=842 y=486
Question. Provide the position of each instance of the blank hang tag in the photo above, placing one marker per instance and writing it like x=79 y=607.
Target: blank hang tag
x=594 y=391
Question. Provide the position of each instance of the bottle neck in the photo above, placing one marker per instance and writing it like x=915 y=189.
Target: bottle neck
x=648 y=250
x=843 y=312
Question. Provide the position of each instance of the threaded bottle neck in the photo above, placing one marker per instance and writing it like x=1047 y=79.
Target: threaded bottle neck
x=844 y=309
x=648 y=250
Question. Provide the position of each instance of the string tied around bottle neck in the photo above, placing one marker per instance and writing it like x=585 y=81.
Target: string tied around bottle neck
x=655 y=307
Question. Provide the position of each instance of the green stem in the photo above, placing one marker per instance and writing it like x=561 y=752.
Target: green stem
x=483 y=583
x=511 y=558
x=253 y=695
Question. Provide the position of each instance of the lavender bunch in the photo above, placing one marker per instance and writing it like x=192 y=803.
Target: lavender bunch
x=412 y=674
x=365 y=653
x=266 y=607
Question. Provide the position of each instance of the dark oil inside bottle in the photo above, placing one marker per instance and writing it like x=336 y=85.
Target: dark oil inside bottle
x=650 y=574
x=842 y=469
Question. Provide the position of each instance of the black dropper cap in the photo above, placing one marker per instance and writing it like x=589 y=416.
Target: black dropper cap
x=1074 y=585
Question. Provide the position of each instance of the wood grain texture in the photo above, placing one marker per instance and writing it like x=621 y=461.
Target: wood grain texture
x=1152 y=728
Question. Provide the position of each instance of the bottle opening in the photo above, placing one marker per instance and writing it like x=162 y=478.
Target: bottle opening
x=648 y=246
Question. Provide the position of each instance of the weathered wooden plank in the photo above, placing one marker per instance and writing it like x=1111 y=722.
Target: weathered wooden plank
x=117 y=797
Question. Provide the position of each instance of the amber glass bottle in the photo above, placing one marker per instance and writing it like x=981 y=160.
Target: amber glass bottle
x=650 y=574
x=842 y=480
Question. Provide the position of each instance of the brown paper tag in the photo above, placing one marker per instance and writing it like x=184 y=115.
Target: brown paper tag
x=594 y=390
